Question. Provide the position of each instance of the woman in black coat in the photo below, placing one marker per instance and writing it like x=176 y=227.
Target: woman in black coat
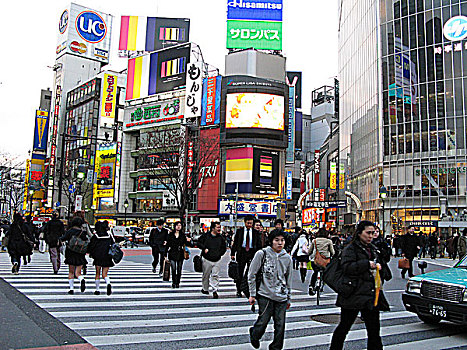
x=176 y=242
x=359 y=262
x=98 y=249
x=19 y=243
x=74 y=260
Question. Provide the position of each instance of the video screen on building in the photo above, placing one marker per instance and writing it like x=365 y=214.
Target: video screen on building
x=254 y=110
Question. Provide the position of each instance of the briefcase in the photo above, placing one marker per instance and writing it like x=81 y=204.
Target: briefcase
x=404 y=263
x=166 y=270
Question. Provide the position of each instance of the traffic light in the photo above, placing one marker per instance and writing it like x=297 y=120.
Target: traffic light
x=104 y=182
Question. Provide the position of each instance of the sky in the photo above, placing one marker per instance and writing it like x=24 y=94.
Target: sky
x=29 y=35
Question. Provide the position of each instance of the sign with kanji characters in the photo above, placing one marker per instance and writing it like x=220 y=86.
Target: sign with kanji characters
x=289 y=185
x=211 y=101
x=248 y=207
x=328 y=204
x=263 y=35
x=105 y=170
x=109 y=99
x=312 y=215
x=168 y=200
x=194 y=90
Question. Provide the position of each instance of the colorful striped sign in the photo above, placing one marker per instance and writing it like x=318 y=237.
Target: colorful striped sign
x=173 y=67
x=141 y=78
x=239 y=165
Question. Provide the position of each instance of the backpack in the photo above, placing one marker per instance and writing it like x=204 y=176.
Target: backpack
x=333 y=276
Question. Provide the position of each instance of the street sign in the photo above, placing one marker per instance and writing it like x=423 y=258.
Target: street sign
x=327 y=204
x=90 y=176
x=71 y=188
x=57 y=204
x=78 y=203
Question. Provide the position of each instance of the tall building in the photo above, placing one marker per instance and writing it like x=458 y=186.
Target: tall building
x=402 y=116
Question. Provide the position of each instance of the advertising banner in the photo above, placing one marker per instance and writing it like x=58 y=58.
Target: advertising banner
x=208 y=187
x=105 y=170
x=261 y=35
x=41 y=131
x=341 y=176
x=266 y=169
x=290 y=151
x=289 y=185
x=333 y=177
x=84 y=32
x=255 y=110
x=312 y=216
x=239 y=165
x=298 y=130
x=248 y=207
x=154 y=114
x=316 y=168
x=211 y=102
x=140 y=33
x=194 y=90
x=261 y=10
x=295 y=79
x=108 y=99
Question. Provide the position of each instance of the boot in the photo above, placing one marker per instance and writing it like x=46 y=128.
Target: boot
x=303 y=272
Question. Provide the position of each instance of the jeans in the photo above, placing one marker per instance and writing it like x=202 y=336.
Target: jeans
x=55 y=258
x=176 y=270
x=371 y=319
x=410 y=269
x=158 y=252
x=211 y=274
x=15 y=259
x=422 y=251
x=269 y=308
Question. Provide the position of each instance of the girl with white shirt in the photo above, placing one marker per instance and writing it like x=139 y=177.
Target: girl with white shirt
x=302 y=247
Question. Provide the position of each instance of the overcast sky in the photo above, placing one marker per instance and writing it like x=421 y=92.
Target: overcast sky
x=29 y=36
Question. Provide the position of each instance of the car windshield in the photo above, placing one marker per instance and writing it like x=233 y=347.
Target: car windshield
x=462 y=263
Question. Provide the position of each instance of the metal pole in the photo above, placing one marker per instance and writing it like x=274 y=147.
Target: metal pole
x=236 y=201
x=125 y=215
x=382 y=205
x=60 y=178
x=30 y=204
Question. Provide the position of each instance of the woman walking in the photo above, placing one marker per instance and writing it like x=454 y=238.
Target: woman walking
x=302 y=247
x=99 y=251
x=176 y=242
x=18 y=242
x=74 y=260
x=360 y=263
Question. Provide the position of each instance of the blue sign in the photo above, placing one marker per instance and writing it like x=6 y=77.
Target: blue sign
x=57 y=204
x=290 y=152
x=455 y=28
x=211 y=101
x=255 y=10
x=289 y=185
x=91 y=27
x=41 y=131
x=71 y=188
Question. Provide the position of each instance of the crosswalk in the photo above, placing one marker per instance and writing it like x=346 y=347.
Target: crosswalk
x=144 y=312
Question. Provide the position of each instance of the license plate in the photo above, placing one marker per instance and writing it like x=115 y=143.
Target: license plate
x=437 y=310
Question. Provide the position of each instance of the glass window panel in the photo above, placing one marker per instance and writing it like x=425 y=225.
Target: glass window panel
x=455 y=10
x=413 y=31
x=459 y=110
x=440 y=99
x=421 y=29
x=390 y=38
x=431 y=100
x=391 y=70
x=438 y=27
x=449 y=98
x=428 y=4
x=436 y=3
x=429 y=29
x=447 y=65
x=412 y=6
x=405 y=32
x=421 y=66
x=450 y=134
x=457 y=60
x=430 y=63
x=460 y=132
x=464 y=8
x=433 y=136
x=419 y=4
x=397 y=9
x=424 y=136
x=423 y=102
x=408 y=138
x=386 y=141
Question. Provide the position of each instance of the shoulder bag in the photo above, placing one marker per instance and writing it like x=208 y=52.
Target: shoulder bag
x=115 y=251
x=320 y=259
x=77 y=244
x=186 y=253
x=403 y=263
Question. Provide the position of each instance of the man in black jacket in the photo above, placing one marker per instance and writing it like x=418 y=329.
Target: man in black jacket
x=213 y=247
x=53 y=230
x=410 y=247
x=157 y=241
x=246 y=243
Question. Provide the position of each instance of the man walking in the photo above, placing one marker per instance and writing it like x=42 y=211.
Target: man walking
x=53 y=230
x=410 y=247
x=157 y=241
x=213 y=247
x=462 y=246
x=246 y=243
x=273 y=291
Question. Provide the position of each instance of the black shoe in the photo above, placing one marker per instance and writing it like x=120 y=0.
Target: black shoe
x=96 y=292
x=13 y=269
x=177 y=286
x=204 y=291
x=254 y=343
x=402 y=275
x=71 y=292
x=83 y=285
x=239 y=294
x=29 y=258
x=311 y=291
x=55 y=272
x=109 y=289
x=153 y=270
x=215 y=295
x=173 y=285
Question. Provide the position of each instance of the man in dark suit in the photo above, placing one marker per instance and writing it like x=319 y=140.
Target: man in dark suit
x=246 y=243
x=410 y=247
x=157 y=241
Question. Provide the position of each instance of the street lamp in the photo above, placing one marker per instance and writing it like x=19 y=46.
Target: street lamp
x=126 y=204
x=383 y=193
x=31 y=194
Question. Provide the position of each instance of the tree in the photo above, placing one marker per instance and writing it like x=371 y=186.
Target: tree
x=82 y=187
x=12 y=178
x=171 y=159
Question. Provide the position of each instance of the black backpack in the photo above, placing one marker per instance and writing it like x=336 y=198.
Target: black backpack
x=334 y=277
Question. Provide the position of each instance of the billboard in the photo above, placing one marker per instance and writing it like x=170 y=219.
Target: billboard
x=194 y=90
x=108 y=99
x=158 y=72
x=211 y=102
x=266 y=169
x=295 y=79
x=84 y=32
x=41 y=130
x=261 y=35
x=261 y=10
x=290 y=151
x=239 y=165
x=104 y=169
x=140 y=33
x=248 y=207
x=255 y=110
x=333 y=177
x=208 y=187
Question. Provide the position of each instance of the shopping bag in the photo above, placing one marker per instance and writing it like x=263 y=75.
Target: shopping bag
x=186 y=253
x=166 y=269
x=42 y=246
x=308 y=266
x=403 y=263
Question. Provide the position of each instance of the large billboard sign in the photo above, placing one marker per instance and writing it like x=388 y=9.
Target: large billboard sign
x=84 y=32
x=41 y=131
x=260 y=10
x=255 y=110
x=290 y=152
x=211 y=102
x=208 y=187
x=105 y=165
x=146 y=34
x=266 y=170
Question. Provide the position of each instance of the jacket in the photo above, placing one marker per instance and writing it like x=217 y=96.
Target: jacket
x=18 y=235
x=242 y=255
x=462 y=246
x=53 y=230
x=277 y=275
x=410 y=245
x=298 y=246
x=158 y=237
x=215 y=245
x=176 y=246
x=324 y=246
x=355 y=263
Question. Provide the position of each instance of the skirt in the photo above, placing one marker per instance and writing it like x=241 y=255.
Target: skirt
x=74 y=259
x=302 y=258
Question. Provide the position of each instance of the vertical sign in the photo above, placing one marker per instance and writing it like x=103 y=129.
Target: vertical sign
x=109 y=99
x=78 y=202
x=26 y=184
x=289 y=185
x=41 y=131
x=333 y=177
x=341 y=176
x=316 y=169
x=208 y=186
x=194 y=90
x=322 y=194
x=290 y=152
x=211 y=101
x=302 y=177
x=190 y=164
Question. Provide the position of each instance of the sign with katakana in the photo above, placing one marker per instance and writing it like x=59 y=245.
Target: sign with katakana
x=263 y=35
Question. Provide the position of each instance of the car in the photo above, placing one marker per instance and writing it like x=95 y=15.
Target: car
x=439 y=295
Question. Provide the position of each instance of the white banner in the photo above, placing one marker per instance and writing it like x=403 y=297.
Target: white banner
x=194 y=90
x=78 y=203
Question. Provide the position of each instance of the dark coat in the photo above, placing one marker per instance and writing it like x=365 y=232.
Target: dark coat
x=215 y=245
x=18 y=237
x=98 y=249
x=242 y=256
x=53 y=230
x=71 y=257
x=176 y=246
x=158 y=237
x=410 y=245
x=356 y=266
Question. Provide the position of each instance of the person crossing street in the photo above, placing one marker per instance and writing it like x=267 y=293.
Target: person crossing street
x=53 y=230
x=158 y=241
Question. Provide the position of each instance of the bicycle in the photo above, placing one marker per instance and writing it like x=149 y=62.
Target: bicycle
x=319 y=287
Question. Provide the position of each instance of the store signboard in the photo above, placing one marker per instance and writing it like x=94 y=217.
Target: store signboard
x=289 y=185
x=290 y=151
x=208 y=186
x=211 y=101
x=194 y=91
x=333 y=177
x=41 y=131
x=248 y=207
x=108 y=99
x=261 y=10
x=260 y=35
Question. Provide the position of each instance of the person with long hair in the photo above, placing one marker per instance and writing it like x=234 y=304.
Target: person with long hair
x=176 y=242
x=324 y=246
x=85 y=227
x=18 y=242
x=361 y=263
x=98 y=249
x=74 y=260
x=302 y=247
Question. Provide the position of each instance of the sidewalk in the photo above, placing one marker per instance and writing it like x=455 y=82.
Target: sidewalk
x=24 y=325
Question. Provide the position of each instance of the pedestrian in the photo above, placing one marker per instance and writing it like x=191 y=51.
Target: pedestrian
x=450 y=246
x=247 y=241
x=258 y=226
x=53 y=230
x=382 y=246
x=433 y=244
x=360 y=262
x=157 y=241
x=176 y=244
x=98 y=248
x=273 y=294
x=455 y=243
x=410 y=248
x=31 y=235
x=74 y=260
x=423 y=241
x=133 y=238
x=462 y=245
x=302 y=249
x=323 y=245
x=213 y=247
x=87 y=228
x=19 y=243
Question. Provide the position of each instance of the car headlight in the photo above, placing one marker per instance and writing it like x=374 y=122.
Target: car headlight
x=465 y=296
x=414 y=287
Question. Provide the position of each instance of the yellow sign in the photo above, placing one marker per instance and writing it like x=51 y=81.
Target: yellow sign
x=342 y=176
x=333 y=179
x=109 y=99
x=26 y=185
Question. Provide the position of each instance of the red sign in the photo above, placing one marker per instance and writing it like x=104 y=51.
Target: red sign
x=190 y=164
x=36 y=175
x=208 y=188
x=322 y=194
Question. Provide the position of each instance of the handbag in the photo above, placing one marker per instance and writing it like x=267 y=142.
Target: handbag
x=77 y=244
x=166 y=270
x=198 y=263
x=186 y=253
x=233 y=270
x=42 y=246
x=308 y=266
x=320 y=259
x=115 y=251
x=403 y=263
